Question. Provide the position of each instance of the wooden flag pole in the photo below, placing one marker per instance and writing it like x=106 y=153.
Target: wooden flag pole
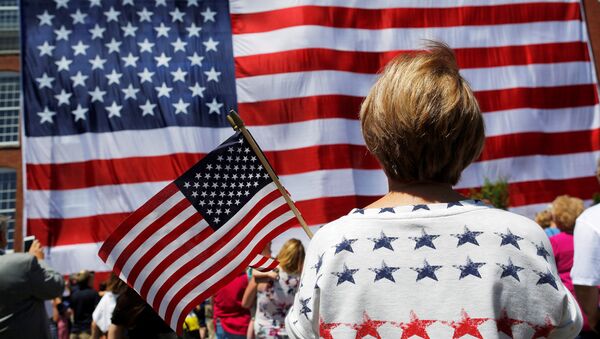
x=238 y=124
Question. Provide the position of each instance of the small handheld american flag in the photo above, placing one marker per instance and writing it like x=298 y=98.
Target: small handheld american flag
x=201 y=230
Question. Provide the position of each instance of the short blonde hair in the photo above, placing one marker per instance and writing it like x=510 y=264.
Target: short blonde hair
x=565 y=210
x=291 y=256
x=421 y=119
x=544 y=218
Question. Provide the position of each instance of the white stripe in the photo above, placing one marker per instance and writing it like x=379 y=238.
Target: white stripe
x=228 y=267
x=135 y=231
x=327 y=183
x=313 y=83
x=153 y=239
x=392 y=39
x=69 y=259
x=199 y=248
x=244 y=6
x=282 y=136
x=170 y=248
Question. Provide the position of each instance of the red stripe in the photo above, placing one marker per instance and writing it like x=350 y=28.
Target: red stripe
x=316 y=59
x=344 y=17
x=155 y=248
x=340 y=106
x=147 y=232
x=135 y=218
x=260 y=262
x=212 y=250
x=197 y=240
x=230 y=275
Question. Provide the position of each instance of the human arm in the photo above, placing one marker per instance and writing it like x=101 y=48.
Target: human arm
x=588 y=301
x=249 y=298
x=116 y=332
x=586 y=269
x=265 y=276
x=45 y=283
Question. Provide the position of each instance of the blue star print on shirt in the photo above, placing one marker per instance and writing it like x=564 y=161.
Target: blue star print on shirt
x=467 y=236
x=510 y=239
x=427 y=271
x=547 y=278
x=424 y=240
x=541 y=251
x=319 y=263
x=345 y=275
x=384 y=272
x=345 y=245
x=470 y=268
x=510 y=270
x=305 y=309
x=383 y=241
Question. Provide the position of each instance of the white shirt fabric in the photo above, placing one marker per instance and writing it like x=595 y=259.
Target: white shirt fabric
x=103 y=313
x=586 y=237
x=440 y=270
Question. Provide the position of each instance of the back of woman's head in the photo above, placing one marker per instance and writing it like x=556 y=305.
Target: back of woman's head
x=291 y=256
x=565 y=210
x=421 y=119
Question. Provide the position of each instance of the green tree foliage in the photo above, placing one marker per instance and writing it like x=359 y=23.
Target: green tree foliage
x=494 y=193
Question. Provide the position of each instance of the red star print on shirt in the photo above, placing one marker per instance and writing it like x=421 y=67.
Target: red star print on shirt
x=415 y=327
x=543 y=331
x=467 y=325
x=505 y=324
x=326 y=328
x=368 y=327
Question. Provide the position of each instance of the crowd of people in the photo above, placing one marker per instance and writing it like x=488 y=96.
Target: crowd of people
x=421 y=261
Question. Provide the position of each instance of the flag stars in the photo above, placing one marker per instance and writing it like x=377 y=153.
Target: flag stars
x=45 y=81
x=162 y=60
x=163 y=90
x=146 y=75
x=210 y=45
x=97 y=63
x=208 y=15
x=63 y=64
x=162 y=30
x=114 y=110
x=61 y=3
x=63 y=97
x=97 y=32
x=62 y=33
x=79 y=113
x=179 y=45
x=80 y=48
x=212 y=75
x=145 y=15
x=214 y=106
x=46 y=116
x=113 y=46
x=130 y=92
x=129 y=30
x=114 y=77
x=181 y=107
x=45 y=19
x=97 y=95
x=177 y=15
x=46 y=49
x=147 y=108
x=195 y=59
x=78 y=17
x=193 y=30
x=179 y=75
x=146 y=46
x=130 y=60
x=112 y=15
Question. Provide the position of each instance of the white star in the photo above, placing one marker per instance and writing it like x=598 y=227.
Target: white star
x=129 y=30
x=79 y=79
x=61 y=3
x=162 y=60
x=161 y=3
x=114 y=110
x=45 y=81
x=78 y=17
x=179 y=75
x=147 y=108
x=63 y=97
x=95 y=3
x=208 y=15
x=97 y=62
x=214 y=107
x=127 y=2
x=193 y=30
x=63 y=64
x=112 y=15
x=46 y=115
x=212 y=75
x=197 y=90
x=79 y=48
x=164 y=90
x=145 y=15
x=97 y=32
x=210 y=44
x=177 y=15
x=79 y=113
x=113 y=46
x=46 y=49
x=62 y=33
x=181 y=107
x=130 y=92
x=146 y=75
x=146 y=46
x=130 y=60
x=162 y=30
x=179 y=45
x=196 y=59
x=192 y=3
x=97 y=95
x=45 y=18
x=114 y=77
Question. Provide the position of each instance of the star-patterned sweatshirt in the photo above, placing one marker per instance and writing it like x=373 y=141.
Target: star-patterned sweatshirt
x=453 y=270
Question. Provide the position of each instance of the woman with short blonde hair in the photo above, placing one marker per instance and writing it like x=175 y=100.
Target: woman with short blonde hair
x=423 y=260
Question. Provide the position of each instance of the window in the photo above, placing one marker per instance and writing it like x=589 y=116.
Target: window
x=8 y=200
x=9 y=27
x=9 y=108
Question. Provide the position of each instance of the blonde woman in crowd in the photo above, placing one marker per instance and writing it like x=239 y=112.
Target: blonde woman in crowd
x=544 y=219
x=423 y=260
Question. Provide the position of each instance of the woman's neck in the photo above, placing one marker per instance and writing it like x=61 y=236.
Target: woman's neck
x=416 y=193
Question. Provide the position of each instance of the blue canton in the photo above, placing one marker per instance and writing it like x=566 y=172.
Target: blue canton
x=427 y=271
x=509 y=238
x=345 y=275
x=547 y=278
x=345 y=245
x=467 y=236
x=470 y=268
x=383 y=242
x=424 y=240
x=510 y=270
x=384 y=272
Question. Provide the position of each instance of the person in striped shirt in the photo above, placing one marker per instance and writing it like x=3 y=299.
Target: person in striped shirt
x=423 y=260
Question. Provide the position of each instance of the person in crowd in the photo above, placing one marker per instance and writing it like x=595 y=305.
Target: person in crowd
x=25 y=282
x=585 y=273
x=422 y=260
x=61 y=315
x=83 y=302
x=544 y=219
x=230 y=317
x=101 y=317
x=194 y=325
x=273 y=292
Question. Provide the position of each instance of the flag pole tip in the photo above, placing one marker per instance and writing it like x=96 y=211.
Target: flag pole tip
x=234 y=120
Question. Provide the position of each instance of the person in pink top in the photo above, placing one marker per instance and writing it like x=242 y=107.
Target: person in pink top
x=565 y=210
x=231 y=319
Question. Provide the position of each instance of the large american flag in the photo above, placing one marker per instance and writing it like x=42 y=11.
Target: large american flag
x=121 y=97
x=200 y=231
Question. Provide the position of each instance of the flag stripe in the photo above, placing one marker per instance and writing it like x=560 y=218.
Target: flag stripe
x=303 y=60
x=346 y=17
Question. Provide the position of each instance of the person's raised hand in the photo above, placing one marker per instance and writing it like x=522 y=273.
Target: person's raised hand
x=37 y=250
